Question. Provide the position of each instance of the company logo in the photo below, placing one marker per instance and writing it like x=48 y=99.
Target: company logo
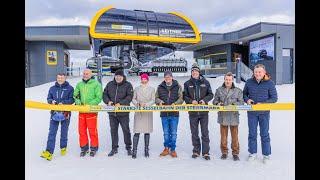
x=121 y=27
x=170 y=31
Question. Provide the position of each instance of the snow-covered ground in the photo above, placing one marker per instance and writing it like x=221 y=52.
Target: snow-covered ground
x=121 y=166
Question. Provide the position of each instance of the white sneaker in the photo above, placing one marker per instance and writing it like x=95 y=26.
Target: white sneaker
x=266 y=159
x=252 y=157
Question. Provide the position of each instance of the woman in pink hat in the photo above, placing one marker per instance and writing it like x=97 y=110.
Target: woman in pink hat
x=143 y=95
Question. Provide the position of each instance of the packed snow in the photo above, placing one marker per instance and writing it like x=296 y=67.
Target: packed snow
x=121 y=166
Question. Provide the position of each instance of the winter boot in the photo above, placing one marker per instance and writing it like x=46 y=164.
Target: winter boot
x=266 y=159
x=252 y=157
x=93 y=153
x=135 y=146
x=165 y=152
x=224 y=156
x=206 y=157
x=236 y=157
x=63 y=151
x=113 y=152
x=47 y=155
x=83 y=153
x=129 y=151
x=173 y=154
x=146 y=144
x=195 y=155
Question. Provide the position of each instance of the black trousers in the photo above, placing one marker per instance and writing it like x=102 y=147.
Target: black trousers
x=194 y=126
x=114 y=126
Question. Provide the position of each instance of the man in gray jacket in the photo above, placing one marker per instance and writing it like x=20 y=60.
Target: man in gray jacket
x=225 y=95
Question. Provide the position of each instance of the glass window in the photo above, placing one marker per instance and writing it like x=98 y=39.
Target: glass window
x=173 y=26
x=152 y=24
x=117 y=21
x=141 y=23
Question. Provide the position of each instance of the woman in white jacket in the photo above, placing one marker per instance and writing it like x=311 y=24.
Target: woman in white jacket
x=143 y=95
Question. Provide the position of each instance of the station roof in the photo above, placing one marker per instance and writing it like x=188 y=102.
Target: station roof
x=75 y=37
x=243 y=35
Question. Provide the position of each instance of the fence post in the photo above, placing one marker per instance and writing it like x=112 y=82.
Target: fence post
x=238 y=70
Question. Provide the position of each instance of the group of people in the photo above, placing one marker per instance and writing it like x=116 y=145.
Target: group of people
x=197 y=91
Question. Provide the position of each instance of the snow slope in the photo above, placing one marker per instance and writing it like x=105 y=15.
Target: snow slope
x=121 y=166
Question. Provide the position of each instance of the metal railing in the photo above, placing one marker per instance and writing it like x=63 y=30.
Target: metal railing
x=74 y=71
x=218 y=69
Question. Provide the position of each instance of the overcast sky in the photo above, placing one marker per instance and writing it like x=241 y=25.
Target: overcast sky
x=209 y=15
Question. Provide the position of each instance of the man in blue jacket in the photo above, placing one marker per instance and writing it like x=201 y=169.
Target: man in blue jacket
x=259 y=89
x=60 y=93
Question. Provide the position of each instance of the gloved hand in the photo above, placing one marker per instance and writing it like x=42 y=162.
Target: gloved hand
x=66 y=114
x=78 y=102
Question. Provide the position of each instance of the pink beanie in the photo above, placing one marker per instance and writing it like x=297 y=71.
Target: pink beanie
x=144 y=76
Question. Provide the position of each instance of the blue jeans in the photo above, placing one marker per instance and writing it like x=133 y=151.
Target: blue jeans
x=169 y=126
x=53 y=132
x=263 y=120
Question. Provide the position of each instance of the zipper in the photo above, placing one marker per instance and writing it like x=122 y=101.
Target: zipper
x=168 y=100
x=61 y=95
x=115 y=98
x=198 y=94
x=226 y=97
x=194 y=94
x=85 y=92
x=57 y=95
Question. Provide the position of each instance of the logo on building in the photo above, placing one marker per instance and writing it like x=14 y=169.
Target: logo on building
x=52 y=57
x=121 y=27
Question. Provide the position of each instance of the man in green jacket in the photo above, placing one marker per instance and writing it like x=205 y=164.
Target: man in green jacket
x=88 y=92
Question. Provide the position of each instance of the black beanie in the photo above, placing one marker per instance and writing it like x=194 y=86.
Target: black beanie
x=119 y=72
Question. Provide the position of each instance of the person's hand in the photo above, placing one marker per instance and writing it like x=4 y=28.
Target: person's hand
x=53 y=102
x=194 y=102
x=77 y=102
x=161 y=103
x=202 y=102
x=110 y=103
x=250 y=101
x=220 y=104
x=60 y=103
x=118 y=104
x=142 y=104
x=172 y=104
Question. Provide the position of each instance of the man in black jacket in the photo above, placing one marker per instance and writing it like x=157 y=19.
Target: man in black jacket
x=119 y=92
x=197 y=90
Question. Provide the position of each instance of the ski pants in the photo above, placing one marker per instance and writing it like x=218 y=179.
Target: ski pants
x=53 y=128
x=114 y=126
x=194 y=126
x=88 y=122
